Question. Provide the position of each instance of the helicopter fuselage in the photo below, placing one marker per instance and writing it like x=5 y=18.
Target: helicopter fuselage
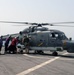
x=52 y=40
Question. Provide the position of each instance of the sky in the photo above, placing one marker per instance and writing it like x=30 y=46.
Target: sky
x=39 y=11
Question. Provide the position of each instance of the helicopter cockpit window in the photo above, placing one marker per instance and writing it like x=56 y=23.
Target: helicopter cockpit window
x=63 y=36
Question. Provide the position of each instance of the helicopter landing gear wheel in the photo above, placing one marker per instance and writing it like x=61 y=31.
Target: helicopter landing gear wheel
x=39 y=52
x=55 y=53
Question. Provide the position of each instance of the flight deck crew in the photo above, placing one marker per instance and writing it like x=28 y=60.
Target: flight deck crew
x=20 y=37
x=1 y=43
x=26 y=44
x=7 y=43
x=12 y=47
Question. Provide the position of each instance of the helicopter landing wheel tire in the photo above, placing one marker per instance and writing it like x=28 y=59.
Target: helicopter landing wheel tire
x=38 y=52
x=55 y=53
x=41 y=52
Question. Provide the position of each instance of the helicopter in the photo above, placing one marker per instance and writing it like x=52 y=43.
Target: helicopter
x=44 y=39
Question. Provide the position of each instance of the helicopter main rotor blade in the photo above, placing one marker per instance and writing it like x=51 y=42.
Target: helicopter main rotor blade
x=15 y=22
x=51 y=24
x=55 y=24
x=40 y=24
x=22 y=25
x=28 y=23
x=63 y=23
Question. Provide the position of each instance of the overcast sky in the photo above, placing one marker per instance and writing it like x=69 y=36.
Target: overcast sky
x=40 y=11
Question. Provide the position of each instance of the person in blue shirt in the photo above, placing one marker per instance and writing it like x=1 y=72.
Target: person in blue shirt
x=7 y=43
x=1 y=43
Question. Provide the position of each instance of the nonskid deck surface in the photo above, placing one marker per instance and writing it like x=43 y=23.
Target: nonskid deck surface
x=37 y=64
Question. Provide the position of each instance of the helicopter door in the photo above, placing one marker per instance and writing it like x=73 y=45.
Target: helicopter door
x=33 y=40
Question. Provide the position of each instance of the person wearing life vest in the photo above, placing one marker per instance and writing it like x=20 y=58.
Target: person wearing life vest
x=26 y=43
x=12 y=47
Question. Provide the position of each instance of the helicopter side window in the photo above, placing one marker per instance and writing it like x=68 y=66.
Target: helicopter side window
x=54 y=35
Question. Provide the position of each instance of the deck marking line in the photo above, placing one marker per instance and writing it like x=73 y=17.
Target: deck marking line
x=35 y=56
x=39 y=66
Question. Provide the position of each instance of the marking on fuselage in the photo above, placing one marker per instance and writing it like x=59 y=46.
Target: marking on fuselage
x=39 y=66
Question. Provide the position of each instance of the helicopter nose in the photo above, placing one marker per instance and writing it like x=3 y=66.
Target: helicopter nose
x=69 y=45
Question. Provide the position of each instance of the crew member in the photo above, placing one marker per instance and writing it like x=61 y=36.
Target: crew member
x=1 y=43
x=26 y=44
x=20 y=37
x=7 y=43
x=12 y=47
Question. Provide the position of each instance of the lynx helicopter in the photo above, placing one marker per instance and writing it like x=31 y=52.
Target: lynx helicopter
x=43 y=39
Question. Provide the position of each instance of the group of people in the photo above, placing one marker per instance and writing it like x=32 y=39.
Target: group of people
x=11 y=43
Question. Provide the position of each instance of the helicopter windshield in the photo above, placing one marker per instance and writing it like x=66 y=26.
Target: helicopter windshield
x=63 y=36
